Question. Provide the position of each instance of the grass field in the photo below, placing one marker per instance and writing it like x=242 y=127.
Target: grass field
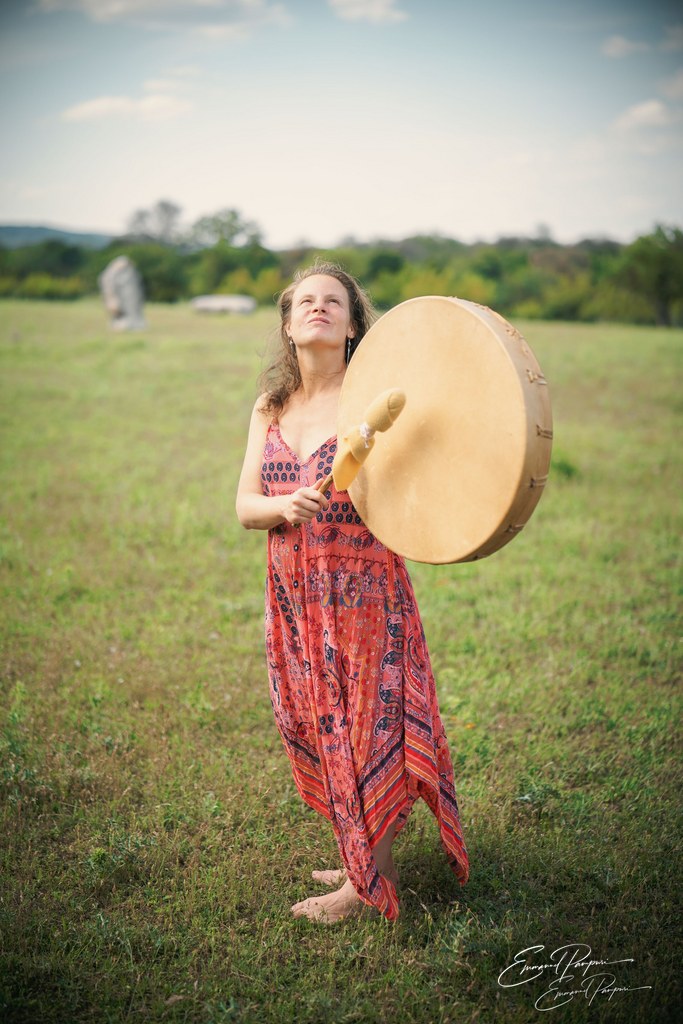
x=152 y=840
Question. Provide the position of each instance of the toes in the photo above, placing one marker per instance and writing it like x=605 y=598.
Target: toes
x=310 y=909
x=331 y=877
x=329 y=908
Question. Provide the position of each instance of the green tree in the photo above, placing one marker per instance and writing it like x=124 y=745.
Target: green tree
x=255 y=257
x=268 y=285
x=611 y=302
x=53 y=257
x=384 y=261
x=488 y=262
x=352 y=258
x=226 y=226
x=211 y=266
x=386 y=290
x=652 y=266
x=421 y=280
x=566 y=297
x=475 y=288
x=161 y=222
x=238 y=282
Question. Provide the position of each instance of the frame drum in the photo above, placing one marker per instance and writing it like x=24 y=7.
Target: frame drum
x=464 y=465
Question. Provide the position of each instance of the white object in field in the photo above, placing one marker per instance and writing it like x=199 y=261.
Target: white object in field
x=224 y=304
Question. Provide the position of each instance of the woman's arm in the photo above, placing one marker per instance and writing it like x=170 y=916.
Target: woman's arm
x=257 y=511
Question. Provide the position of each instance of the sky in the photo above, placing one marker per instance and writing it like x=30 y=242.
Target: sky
x=323 y=120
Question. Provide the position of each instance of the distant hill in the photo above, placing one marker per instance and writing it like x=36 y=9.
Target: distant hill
x=12 y=236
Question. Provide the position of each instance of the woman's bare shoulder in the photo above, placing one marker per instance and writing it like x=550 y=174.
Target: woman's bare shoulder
x=262 y=409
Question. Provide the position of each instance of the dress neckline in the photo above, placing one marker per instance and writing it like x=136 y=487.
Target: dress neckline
x=302 y=462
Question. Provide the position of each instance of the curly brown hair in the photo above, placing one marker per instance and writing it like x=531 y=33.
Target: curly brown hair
x=282 y=378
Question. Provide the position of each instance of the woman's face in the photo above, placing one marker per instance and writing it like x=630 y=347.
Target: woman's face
x=320 y=313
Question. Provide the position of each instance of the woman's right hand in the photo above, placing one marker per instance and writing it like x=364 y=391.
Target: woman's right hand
x=258 y=511
x=303 y=505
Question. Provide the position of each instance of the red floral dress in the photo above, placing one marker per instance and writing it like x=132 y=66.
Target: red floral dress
x=350 y=678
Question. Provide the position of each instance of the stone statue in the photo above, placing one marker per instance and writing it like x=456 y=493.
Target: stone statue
x=121 y=288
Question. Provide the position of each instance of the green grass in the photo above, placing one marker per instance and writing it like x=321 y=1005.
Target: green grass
x=152 y=840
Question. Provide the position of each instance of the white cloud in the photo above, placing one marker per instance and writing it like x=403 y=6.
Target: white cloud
x=650 y=128
x=225 y=30
x=155 y=107
x=367 y=10
x=222 y=19
x=178 y=80
x=673 y=87
x=185 y=71
x=673 y=41
x=648 y=114
x=619 y=46
x=159 y=85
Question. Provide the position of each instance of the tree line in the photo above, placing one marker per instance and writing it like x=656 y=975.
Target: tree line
x=525 y=278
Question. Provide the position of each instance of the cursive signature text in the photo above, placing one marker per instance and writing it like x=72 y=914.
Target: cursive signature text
x=573 y=970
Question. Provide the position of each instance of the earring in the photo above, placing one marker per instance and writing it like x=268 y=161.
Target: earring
x=292 y=346
x=348 y=351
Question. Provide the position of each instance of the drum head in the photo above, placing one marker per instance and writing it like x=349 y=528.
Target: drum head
x=461 y=469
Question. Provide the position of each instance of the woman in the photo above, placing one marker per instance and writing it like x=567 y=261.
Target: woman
x=350 y=680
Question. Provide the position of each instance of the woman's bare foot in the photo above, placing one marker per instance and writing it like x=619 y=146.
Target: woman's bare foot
x=334 y=876
x=336 y=906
